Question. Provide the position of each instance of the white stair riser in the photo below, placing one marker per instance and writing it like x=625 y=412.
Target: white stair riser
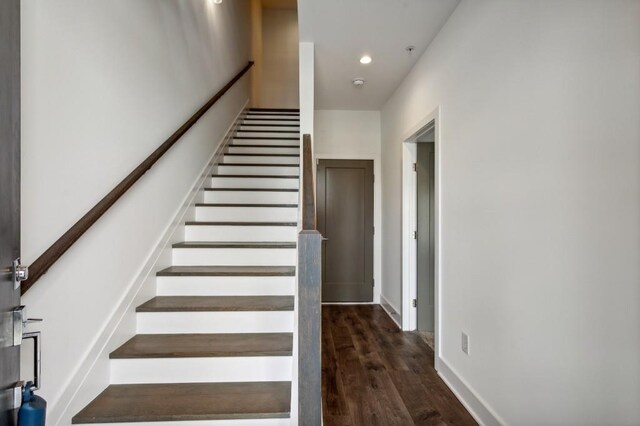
x=270 y=125
x=239 y=422
x=255 y=197
x=194 y=370
x=272 y=120
x=225 y=286
x=274 y=115
x=267 y=127
x=259 y=134
x=247 y=214
x=261 y=182
x=263 y=150
x=259 y=170
x=282 y=142
x=258 y=159
x=234 y=256
x=240 y=233
x=214 y=322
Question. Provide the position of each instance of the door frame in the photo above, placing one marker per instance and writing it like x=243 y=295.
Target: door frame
x=376 y=221
x=409 y=225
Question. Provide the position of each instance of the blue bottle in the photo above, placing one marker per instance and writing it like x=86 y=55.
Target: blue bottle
x=33 y=409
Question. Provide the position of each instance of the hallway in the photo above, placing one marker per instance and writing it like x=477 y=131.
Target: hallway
x=375 y=374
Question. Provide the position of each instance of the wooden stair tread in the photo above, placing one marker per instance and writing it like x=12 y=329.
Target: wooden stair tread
x=245 y=154
x=266 y=131
x=258 y=176
x=294 y=112
x=259 y=164
x=195 y=223
x=281 y=117
x=254 y=189
x=217 y=304
x=270 y=138
x=268 y=125
x=265 y=146
x=188 y=401
x=205 y=345
x=245 y=205
x=236 y=244
x=276 y=109
x=228 y=271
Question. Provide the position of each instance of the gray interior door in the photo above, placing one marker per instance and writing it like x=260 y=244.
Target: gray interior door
x=426 y=257
x=345 y=219
x=9 y=198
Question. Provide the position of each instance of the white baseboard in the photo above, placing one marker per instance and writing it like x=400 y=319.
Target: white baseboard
x=391 y=311
x=479 y=409
x=92 y=375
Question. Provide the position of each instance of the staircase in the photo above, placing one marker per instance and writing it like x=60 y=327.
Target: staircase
x=215 y=344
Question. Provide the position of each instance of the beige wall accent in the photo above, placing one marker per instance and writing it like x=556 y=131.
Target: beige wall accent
x=256 y=51
x=279 y=88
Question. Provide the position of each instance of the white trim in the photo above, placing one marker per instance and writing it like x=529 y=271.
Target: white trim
x=385 y=306
x=477 y=407
x=94 y=368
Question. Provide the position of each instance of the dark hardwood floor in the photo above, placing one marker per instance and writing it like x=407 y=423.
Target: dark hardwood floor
x=375 y=374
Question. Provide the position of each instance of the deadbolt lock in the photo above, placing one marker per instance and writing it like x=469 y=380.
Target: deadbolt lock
x=18 y=273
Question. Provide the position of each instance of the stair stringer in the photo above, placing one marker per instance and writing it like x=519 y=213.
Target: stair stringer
x=93 y=374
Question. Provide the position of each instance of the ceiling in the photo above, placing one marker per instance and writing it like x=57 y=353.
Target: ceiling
x=344 y=30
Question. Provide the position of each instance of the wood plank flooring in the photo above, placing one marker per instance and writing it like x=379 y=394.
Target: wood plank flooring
x=375 y=374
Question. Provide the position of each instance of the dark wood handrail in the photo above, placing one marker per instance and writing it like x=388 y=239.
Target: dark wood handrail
x=308 y=188
x=42 y=264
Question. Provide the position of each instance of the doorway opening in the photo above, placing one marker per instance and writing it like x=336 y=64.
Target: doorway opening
x=420 y=247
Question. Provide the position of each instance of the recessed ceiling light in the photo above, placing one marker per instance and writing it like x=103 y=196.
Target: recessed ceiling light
x=366 y=59
x=217 y=1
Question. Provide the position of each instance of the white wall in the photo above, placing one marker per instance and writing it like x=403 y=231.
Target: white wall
x=279 y=88
x=104 y=83
x=540 y=204
x=354 y=135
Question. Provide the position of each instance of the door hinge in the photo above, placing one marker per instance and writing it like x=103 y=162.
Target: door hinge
x=414 y=235
x=374 y=230
x=373 y=282
x=414 y=166
x=415 y=303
